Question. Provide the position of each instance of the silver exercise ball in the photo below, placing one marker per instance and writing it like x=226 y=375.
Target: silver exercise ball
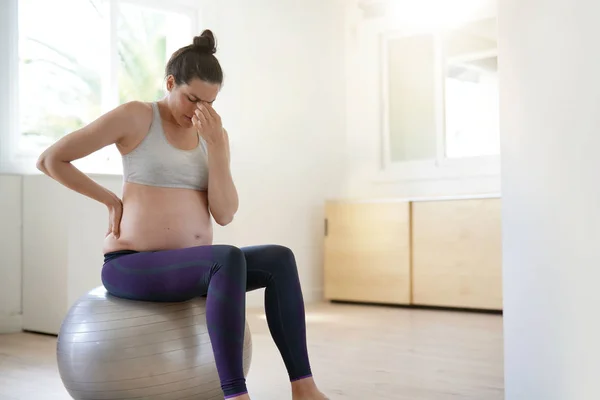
x=112 y=348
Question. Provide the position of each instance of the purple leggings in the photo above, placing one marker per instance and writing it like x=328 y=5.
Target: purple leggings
x=224 y=274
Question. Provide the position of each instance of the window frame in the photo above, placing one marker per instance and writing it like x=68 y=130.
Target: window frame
x=14 y=160
x=440 y=166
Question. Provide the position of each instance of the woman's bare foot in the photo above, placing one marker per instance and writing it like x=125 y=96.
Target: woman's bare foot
x=306 y=389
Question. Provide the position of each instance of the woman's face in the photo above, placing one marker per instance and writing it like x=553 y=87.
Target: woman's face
x=183 y=99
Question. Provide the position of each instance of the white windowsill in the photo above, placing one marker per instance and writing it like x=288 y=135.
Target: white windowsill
x=26 y=165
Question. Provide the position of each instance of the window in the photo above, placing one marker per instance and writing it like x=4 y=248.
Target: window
x=146 y=39
x=440 y=97
x=81 y=58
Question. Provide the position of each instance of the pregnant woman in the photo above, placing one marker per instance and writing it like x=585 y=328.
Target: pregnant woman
x=177 y=178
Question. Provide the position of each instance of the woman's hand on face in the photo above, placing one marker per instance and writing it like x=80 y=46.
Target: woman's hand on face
x=115 y=211
x=208 y=123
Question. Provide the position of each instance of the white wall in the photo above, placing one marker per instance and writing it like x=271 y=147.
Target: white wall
x=365 y=176
x=62 y=241
x=8 y=60
x=550 y=139
x=283 y=105
x=10 y=251
x=10 y=185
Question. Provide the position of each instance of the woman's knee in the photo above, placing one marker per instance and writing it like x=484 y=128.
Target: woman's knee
x=230 y=257
x=284 y=259
x=284 y=254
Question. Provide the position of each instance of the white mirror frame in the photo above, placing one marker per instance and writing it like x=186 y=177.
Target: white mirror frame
x=439 y=167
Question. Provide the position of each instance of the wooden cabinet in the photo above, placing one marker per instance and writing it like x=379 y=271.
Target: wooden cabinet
x=456 y=253
x=367 y=252
x=444 y=253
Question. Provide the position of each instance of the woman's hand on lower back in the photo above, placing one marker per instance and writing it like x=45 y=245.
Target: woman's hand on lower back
x=115 y=211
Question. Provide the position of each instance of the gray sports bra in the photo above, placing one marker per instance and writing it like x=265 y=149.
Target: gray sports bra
x=156 y=162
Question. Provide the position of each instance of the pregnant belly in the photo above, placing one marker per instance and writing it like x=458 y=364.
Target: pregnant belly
x=161 y=219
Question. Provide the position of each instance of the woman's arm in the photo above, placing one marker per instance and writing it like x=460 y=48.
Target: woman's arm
x=112 y=127
x=222 y=195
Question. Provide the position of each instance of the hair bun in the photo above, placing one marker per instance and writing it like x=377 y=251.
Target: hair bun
x=205 y=43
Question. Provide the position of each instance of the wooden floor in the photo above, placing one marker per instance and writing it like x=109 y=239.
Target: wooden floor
x=357 y=352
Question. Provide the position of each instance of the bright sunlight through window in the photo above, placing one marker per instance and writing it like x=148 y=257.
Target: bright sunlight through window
x=70 y=72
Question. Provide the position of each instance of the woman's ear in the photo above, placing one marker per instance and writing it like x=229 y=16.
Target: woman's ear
x=170 y=82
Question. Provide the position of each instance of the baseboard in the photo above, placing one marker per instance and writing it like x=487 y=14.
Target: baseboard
x=11 y=323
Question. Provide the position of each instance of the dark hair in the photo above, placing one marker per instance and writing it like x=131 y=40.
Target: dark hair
x=196 y=60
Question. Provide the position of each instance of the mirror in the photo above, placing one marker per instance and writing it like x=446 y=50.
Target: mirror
x=471 y=90
x=440 y=93
x=411 y=105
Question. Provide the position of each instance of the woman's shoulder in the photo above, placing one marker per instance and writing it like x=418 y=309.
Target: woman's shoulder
x=135 y=109
x=136 y=115
x=139 y=114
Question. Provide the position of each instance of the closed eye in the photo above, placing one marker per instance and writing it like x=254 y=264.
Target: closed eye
x=196 y=100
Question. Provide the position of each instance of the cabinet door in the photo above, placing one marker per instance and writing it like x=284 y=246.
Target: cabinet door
x=457 y=253
x=367 y=252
